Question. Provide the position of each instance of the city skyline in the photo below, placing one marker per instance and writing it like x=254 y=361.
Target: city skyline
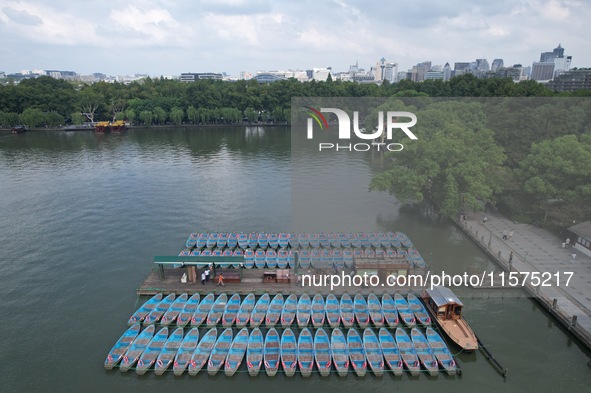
x=166 y=38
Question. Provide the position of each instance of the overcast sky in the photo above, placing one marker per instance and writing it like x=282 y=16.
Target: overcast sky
x=167 y=37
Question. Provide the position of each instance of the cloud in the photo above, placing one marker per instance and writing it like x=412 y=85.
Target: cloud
x=22 y=17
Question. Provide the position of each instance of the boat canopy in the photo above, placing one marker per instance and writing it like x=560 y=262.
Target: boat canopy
x=442 y=296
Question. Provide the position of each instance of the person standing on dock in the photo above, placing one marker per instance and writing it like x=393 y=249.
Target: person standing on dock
x=221 y=280
x=203 y=278
x=485 y=219
x=505 y=234
x=510 y=257
x=207 y=275
x=510 y=234
x=573 y=257
x=567 y=241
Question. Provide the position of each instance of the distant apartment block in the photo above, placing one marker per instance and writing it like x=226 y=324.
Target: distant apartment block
x=571 y=81
x=542 y=71
x=192 y=76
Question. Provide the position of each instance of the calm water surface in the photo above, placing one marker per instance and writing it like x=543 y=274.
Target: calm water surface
x=82 y=215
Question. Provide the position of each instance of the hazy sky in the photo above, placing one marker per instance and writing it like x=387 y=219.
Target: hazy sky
x=166 y=37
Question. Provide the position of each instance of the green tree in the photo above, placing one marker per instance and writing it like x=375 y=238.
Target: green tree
x=177 y=115
x=192 y=114
x=159 y=115
x=130 y=115
x=78 y=118
x=146 y=117
x=32 y=117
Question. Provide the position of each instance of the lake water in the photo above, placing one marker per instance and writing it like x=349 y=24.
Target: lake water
x=82 y=215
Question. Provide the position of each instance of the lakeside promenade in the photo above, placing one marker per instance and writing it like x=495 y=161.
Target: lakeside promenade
x=537 y=250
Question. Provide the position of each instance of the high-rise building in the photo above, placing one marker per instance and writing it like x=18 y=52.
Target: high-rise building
x=420 y=70
x=558 y=52
x=542 y=71
x=561 y=62
x=497 y=64
x=446 y=72
x=482 y=65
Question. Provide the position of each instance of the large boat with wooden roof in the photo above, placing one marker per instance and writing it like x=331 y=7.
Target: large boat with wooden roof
x=107 y=126
x=446 y=309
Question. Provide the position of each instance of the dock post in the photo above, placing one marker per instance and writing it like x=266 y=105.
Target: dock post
x=161 y=271
x=554 y=303
x=573 y=322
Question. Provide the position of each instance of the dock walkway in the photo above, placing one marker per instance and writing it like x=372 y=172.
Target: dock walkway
x=537 y=250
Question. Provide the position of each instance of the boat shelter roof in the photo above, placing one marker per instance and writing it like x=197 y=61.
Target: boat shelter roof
x=582 y=229
x=195 y=260
x=442 y=296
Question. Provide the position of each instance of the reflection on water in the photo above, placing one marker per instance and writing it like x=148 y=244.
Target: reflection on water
x=82 y=215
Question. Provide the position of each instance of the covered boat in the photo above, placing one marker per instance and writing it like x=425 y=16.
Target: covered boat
x=373 y=352
x=236 y=352
x=260 y=257
x=374 y=240
x=304 y=309
x=202 y=351
x=288 y=352
x=192 y=240
x=152 y=351
x=185 y=352
x=361 y=311
x=289 y=310
x=323 y=240
x=219 y=352
x=304 y=258
x=424 y=352
x=316 y=258
x=348 y=257
x=159 y=310
x=318 y=311
x=340 y=353
x=390 y=351
x=263 y=240
x=407 y=352
x=260 y=310
x=356 y=352
x=174 y=310
x=273 y=239
x=231 y=311
x=212 y=240
x=271 y=258
x=343 y=240
x=222 y=240
x=169 y=351
x=121 y=346
x=243 y=316
x=364 y=239
x=242 y=239
x=254 y=352
x=354 y=240
x=375 y=310
x=333 y=311
x=283 y=240
x=313 y=239
x=306 y=352
x=294 y=239
x=419 y=310
x=389 y=310
x=322 y=353
x=394 y=240
x=232 y=240
x=274 y=311
x=404 y=311
x=441 y=352
x=145 y=309
x=202 y=240
x=346 y=310
x=271 y=352
x=404 y=240
x=217 y=310
x=136 y=348
x=282 y=257
x=253 y=240
x=203 y=310
x=248 y=258
x=384 y=239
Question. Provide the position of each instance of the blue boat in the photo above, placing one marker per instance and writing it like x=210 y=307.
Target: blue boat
x=192 y=240
x=243 y=316
x=374 y=240
x=202 y=351
x=185 y=352
x=274 y=311
x=231 y=311
x=294 y=239
x=354 y=240
x=144 y=310
x=212 y=240
x=337 y=259
x=316 y=258
x=322 y=352
x=364 y=239
x=253 y=240
x=326 y=259
x=150 y=354
x=333 y=239
x=384 y=239
x=119 y=349
x=217 y=310
x=333 y=311
x=254 y=352
x=196 y=252
x=404 y=311
x=313 y=239
x=441 y=352
x=263 y=240
x=260 y=258
x=369 y=253
x=424 y=352
x=340 y=353
x=206 y=253
x=237 y=253
x=404 y=240
x=343 y=240
x=289 y=352
x=202 y=240
x=159 y=310
x=289 y=310
x=318 y=311
x=358 y=253
x=305 y=352
x=291 y=259
x=348 y=257
x=303 y=311
x=374 y=307
x=260 y=310
x=347 y=311
x=174 y=310
x=323 y=239
x=391 y=253
x=236 y=352
x=304 y=258
x=232 y=240
x=282 y=256
x=407 y=352
x=304 y=240
x=219 y=352
x=271 y=352
x=249 y=258
x=218 y=252
x=361 y=311
x=356 y=352
x=242 y=239
x=419 y=310
x=373 y=352
x=136 y=348
x=169 y=351
x=283 y=240
x=273 y=239
x=227 y=253
x=389 y=310
x=203 y=310
x=380 y=253
x=222 y=240
x=271 y=258
x=394 y=240
x=391 y=352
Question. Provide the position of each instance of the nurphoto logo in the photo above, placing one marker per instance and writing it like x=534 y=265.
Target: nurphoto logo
x=392 y=120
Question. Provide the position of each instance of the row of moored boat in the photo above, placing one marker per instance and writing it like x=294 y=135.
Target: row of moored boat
x=341 y=350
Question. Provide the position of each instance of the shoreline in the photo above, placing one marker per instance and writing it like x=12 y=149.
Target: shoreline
x=156 y=126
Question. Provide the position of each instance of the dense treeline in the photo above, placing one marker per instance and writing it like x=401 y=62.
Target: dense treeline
x=533 y=161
